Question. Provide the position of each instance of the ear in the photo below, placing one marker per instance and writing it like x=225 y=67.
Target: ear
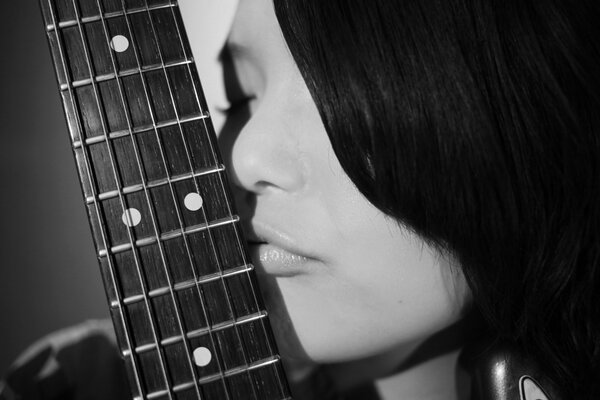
x=530 y=390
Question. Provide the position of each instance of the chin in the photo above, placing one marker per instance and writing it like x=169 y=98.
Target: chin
x=305 y=336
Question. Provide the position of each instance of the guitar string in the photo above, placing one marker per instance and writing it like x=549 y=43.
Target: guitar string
x=197 y=93
x=241 y=244
x=245 y=356
x=178 y=212
x=90 y=175
x=208 y=128
x=144 y=185
x=117 y=181
x=132 y=139
x=191 y=168
x=182 y=139
x=92 y=183
x=161 y=249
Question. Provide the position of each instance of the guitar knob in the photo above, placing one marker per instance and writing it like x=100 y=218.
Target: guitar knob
x=499 y=372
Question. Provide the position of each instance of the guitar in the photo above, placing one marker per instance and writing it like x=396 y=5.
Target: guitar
x=182 y=291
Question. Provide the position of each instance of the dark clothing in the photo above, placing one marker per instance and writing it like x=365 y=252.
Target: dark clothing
x=73 y=364
x=82 y=363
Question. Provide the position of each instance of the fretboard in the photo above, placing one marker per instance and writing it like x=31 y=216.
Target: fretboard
x=182 y=291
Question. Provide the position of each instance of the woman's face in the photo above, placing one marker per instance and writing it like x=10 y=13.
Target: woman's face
x=342 y=280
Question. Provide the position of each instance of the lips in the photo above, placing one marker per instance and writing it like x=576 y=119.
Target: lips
x=276 y=261
x=274 y=252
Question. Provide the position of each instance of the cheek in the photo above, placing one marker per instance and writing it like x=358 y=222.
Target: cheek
x=363 y=308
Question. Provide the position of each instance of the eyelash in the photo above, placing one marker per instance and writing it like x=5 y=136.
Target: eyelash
x=237 y=104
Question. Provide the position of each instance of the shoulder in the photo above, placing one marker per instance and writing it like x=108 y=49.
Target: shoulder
x=79 y=362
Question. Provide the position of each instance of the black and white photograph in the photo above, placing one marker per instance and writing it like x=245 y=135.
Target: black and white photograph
x=300 y=199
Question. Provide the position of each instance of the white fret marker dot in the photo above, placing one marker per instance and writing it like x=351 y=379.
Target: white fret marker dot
x=119 y=43
x=193 y=201
x=131 y=217
x=202 y=356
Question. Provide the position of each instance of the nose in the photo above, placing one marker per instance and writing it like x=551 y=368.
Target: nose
x=265 y=156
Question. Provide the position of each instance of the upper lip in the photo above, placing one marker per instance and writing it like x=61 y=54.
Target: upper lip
x=257 y=232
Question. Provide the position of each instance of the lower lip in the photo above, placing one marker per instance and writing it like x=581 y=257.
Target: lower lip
x=276 y=261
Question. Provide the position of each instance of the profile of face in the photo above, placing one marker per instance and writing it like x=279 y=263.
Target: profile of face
x=342 y=280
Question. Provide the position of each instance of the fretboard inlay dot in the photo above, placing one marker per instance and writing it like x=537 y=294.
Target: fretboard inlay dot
x=202 y=356
x=131 y=217
x=193 y=201
x=119 y=43
x=175 y=271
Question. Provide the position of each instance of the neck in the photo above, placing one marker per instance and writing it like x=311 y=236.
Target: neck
x=423 y=371
x=436 y=379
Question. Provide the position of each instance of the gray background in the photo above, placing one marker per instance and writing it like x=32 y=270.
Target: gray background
x=48 y=277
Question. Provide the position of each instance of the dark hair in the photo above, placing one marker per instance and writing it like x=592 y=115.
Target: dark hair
x=477 y=124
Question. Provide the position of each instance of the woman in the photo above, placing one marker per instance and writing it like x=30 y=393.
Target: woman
x=473 y=125
x=415 y=176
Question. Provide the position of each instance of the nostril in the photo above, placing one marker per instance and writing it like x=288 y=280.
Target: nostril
x=250 y=201
x=245 y=203
x=261 y=186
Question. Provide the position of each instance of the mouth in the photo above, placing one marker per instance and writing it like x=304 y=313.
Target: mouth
x=275 y=254
x=276 y=261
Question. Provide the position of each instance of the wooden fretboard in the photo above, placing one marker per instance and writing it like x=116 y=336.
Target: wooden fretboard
x=183 y=297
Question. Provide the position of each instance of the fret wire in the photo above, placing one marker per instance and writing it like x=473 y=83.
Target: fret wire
x=118 y=183
x=221 y=277
x=177 y=210
x=283 y=386
x=241 y=245
x=244 y=350
x=197 y=92
x=180 y=33
x=121 y=199
x=88 y=170
x=145 y=188
x=266 y=362
x=167 y=236
x=87 y=165
x=95 y=18
x=187 y=285
x=156 y=183
x=161 y=393
x=121 y=74
x=190 y=165
x=235 y=327
x=199 y=332
x=136 y=130
x=229 y=301
x=237 y=331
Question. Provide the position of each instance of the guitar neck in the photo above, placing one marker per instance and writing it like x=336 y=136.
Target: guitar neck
x=182 y=291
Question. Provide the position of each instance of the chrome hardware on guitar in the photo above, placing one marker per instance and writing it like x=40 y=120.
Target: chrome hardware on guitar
x=182 y=291
x=499 y=372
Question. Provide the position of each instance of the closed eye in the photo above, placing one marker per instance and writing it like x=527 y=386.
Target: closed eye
x=237 y=96
x=237 y=105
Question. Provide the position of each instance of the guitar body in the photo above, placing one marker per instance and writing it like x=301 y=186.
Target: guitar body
x=181 y=288
x=498 y=372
